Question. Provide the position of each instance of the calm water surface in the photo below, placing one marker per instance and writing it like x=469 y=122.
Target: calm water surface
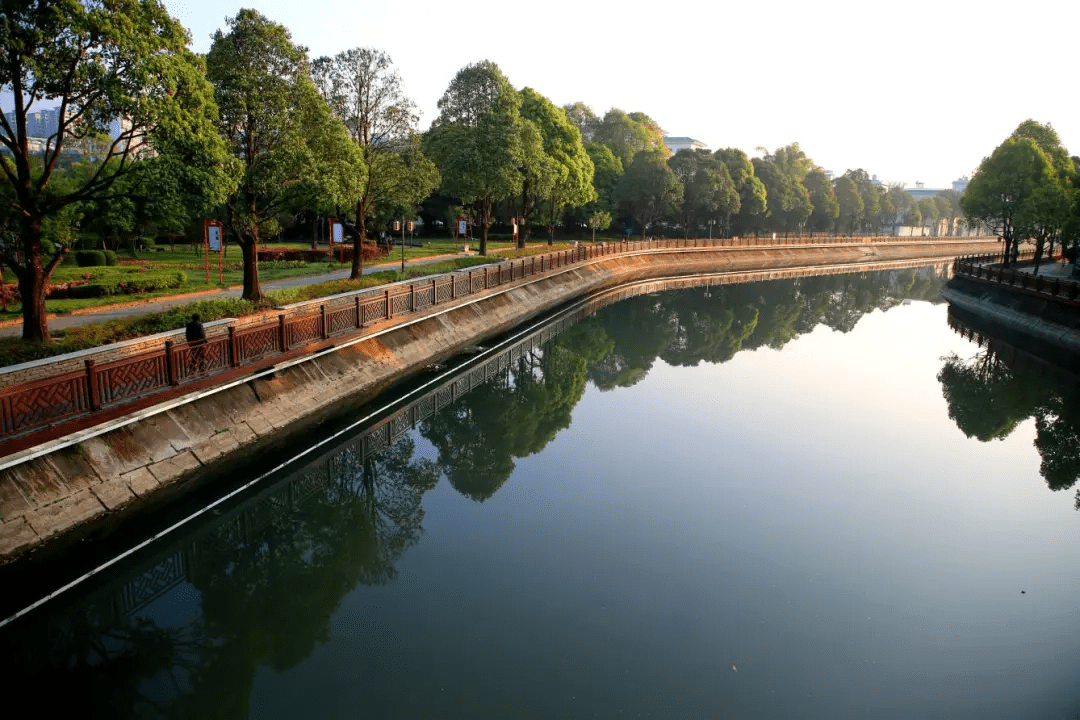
x=782 y=500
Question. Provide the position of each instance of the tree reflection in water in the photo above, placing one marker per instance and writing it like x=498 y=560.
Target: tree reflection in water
x=258 y=587
x=1000 y=387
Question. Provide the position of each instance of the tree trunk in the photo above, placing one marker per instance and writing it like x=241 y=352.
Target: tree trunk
x=485 y=221
x=249 y=247
x=32 y=282
x=358 y=243
x=520 y=244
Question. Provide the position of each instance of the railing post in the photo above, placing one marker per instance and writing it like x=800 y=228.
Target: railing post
x=359 y=313
x=282 y=335
x=234 y=348
x=453 y=290
x=92 y=386
x=412 y=297
x=389 y=305
x=170 y=363
x=325 y=323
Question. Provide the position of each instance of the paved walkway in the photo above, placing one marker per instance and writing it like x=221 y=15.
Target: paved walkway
x=1050 y=270
x=61 y=322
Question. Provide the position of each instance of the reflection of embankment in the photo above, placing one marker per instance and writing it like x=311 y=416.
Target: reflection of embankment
x=612 y=351
x=1009 y=381
x=260 y=581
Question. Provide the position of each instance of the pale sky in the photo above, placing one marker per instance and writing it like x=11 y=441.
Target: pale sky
x=908 y=92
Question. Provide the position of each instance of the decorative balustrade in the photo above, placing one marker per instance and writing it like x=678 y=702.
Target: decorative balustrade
x=138 y=380
x=987 y=269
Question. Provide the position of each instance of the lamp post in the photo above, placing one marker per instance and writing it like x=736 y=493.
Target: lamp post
x=402 y=225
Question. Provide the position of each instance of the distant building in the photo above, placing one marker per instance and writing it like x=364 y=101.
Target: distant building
x=675 y=144
x=41 y=125
x=961 y=184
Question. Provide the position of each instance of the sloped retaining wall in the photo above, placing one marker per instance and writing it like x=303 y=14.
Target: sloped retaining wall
x=174 y=445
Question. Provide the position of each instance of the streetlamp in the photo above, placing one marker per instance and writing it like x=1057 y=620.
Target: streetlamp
x=403 y=225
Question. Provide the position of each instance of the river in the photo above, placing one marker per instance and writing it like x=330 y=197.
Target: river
x=813 y=498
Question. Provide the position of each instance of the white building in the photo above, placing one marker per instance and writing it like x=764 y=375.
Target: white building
x=675 y=144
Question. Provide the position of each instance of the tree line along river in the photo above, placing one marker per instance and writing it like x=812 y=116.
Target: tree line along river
x=801 y=498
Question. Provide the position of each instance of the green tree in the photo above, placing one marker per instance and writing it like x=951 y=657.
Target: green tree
x=850 y=203
x=607 y=171
x=1052 y=202
x=787 y=199
x=364 y=91
x=823 y=199
x=598 y=220
x=949 y=207
x=583 y=118
x=102 y=62
x=709 y=193
x=753 y=200
x=1004 y=188
x=930 y=213
x=279 y=127
x=870 y=194
x=628 y=134
x=480 y=142
x=571 y=167
x=649 y=189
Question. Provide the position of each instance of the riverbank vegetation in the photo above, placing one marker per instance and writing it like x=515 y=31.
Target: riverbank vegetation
x=273 y=144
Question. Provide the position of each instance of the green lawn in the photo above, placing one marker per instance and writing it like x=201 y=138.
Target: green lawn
x=14 y=350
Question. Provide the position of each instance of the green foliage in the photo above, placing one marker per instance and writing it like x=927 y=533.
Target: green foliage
x=628 y=134
x=90 y=258
x=110 y=258
x=561 y=175
x=275 y=123
x=101 y=60
x=709 y=193
x=132 y=283
x=1010 y=189
x=480 y=142
x=649 y=189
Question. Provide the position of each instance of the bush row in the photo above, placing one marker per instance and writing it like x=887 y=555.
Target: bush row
x=132 y=283
x=315 y=256
x=95 y=258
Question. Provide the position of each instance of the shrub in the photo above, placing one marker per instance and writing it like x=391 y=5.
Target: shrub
x=110 y=258
x=132 y=283
x=281 y=264
x=90 y=258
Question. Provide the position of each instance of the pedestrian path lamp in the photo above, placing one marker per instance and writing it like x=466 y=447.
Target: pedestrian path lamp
x=402 y=225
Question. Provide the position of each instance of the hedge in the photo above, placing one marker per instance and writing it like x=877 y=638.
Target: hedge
x=128 y=284
x=90 y=258
x=316 y=256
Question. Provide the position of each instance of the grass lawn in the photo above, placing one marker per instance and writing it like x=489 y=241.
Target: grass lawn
x=193 y=263
x=14 y=350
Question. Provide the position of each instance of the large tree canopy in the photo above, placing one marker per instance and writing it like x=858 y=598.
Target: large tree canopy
x=649 y=189
x=105 y=64
x=364 y=91
x=480 y=143
x=570 y=167
x=1006 y=186
x=280 y=128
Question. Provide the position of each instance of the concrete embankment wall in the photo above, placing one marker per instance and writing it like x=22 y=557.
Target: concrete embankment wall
x=72 y=490
x=1053 y=322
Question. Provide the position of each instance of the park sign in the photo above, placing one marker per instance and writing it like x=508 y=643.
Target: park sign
x=213 y=242
x=337 y=237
